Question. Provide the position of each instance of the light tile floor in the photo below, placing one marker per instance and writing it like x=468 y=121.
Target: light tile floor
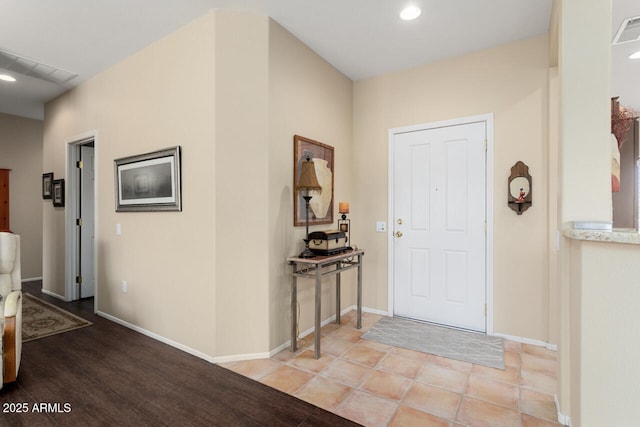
x=379 y=385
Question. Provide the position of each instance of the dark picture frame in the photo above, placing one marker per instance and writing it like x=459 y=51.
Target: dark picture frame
x=149 y=182
x=47 y=181
x=57 y=193
x=321 y=205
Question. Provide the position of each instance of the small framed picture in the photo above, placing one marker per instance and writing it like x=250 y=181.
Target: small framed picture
x=47 y=181
x=57 y=191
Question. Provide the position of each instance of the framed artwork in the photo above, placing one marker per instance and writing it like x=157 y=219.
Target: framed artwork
x=320 y=205
x=57 y=191
x=149 y=182
x=47 y=181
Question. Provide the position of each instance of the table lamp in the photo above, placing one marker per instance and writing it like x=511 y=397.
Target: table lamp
x=307 y=184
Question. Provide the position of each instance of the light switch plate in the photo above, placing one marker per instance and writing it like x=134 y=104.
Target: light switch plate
x=381 y=226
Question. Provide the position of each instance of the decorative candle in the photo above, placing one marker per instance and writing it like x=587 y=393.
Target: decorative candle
x=343 y=207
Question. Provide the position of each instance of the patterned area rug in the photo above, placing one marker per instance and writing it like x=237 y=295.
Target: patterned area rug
x=41 y=319
x=447 y=342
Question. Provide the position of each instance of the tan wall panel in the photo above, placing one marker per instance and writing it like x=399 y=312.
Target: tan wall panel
x=512 y=83
x=21 y=148
x=160 y=97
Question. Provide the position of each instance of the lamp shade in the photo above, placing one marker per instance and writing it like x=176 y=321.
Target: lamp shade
x=343 y=207
x=308 y=180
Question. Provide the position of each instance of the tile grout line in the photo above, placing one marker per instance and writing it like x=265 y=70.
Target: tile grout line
x=464 y=392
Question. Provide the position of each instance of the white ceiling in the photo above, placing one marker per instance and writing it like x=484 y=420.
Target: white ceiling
x=362 y=38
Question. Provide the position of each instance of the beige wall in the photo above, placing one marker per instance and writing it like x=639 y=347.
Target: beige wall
x=241 y=190
x=512 y=83
x=21 y=151
x=308 y=97
x=584 y=71
x=584 y=194
x=160 y=97
x=605 y=297
x=232 y=89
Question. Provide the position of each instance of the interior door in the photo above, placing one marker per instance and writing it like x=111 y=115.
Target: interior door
x=87 y=229
x=440 y=225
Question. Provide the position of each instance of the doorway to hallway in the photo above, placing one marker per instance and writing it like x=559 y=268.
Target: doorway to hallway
x=81 y=219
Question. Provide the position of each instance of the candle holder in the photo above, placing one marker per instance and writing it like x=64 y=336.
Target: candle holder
x=344 y=224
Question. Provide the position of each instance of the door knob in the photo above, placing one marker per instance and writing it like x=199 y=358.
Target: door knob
x=398 y=233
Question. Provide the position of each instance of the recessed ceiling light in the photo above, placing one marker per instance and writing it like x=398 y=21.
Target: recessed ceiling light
x=410 y=12
x=7 y=78
x=635 y=55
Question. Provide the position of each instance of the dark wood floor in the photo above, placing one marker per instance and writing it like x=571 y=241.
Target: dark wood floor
x=108 y=375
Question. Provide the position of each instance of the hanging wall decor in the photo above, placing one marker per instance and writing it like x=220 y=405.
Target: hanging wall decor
x=519 y=188
x=47 y=182
x=149 y=182
x=57 y=191
x=321 y=204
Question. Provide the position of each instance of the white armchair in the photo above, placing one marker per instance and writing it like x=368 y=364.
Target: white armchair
x=10 y=307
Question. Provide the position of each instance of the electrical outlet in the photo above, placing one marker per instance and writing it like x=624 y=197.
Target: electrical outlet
x=124 y=286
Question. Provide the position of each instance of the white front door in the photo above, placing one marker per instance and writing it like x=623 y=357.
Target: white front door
x=439 y=225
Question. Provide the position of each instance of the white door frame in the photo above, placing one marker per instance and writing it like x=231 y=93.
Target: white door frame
x=71 y=207
x=488 y=119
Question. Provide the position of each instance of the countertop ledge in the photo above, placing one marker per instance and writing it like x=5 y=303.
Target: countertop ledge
x=617 y=235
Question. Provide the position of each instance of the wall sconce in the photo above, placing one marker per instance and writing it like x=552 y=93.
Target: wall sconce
x=519 y=188
x=344 y=224
x=307 y=184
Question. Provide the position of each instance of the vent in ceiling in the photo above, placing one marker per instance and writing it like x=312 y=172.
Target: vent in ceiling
x=629 y=31
x=29 y=67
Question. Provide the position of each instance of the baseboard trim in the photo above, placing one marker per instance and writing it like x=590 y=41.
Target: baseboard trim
x=373 y=311
x=563 y=419
x=31 y=279
x=229 y=358
x=524 y=340
x=182 y=347
x=279 y=349
x=240 y=357
x=52 y=294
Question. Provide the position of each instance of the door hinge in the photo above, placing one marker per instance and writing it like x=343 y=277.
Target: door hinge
x=486 y=145
x=79 y=164
x=79 y=222
x=79 y=280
